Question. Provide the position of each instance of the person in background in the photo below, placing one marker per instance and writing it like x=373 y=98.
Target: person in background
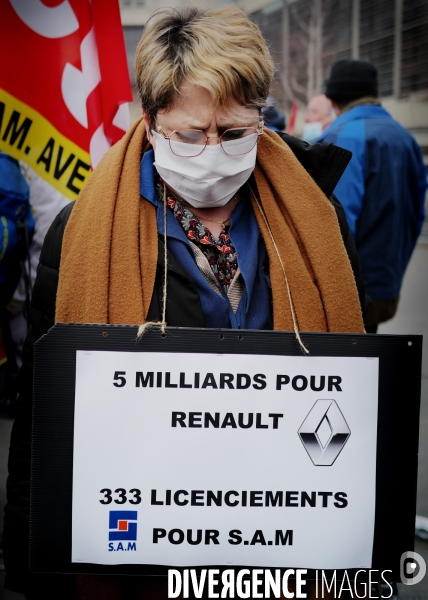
x=318 y=116
x=273 y=118
x=383 y=188
x=16 y=233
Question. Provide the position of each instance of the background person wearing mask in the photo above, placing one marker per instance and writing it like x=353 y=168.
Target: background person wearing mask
x=383 y=187
x=318 y=116
x=198 y=217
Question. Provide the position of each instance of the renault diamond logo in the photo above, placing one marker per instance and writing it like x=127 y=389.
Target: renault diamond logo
x=324 y=432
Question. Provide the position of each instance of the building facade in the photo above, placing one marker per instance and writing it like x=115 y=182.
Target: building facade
x=307 y=36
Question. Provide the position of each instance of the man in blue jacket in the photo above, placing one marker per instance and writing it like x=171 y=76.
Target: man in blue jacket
x=383 y=187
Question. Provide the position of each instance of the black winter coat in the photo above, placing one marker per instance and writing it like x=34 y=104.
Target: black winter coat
x=324 y=162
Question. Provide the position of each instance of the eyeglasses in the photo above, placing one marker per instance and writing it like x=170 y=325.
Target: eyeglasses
x=188 y=143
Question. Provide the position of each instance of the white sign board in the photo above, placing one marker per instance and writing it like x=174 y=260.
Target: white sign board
x=224 y=459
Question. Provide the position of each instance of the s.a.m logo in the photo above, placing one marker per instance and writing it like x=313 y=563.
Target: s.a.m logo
x=324 y=432
x=122 y=525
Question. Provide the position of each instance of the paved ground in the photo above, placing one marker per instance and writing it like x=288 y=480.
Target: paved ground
x=412 y=317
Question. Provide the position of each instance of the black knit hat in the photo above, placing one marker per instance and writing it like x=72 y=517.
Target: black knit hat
x=351 y=79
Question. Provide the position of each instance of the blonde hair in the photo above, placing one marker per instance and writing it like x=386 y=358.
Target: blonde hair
x=219 y=49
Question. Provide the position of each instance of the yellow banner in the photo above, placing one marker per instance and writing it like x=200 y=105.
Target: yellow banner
x=26 y=135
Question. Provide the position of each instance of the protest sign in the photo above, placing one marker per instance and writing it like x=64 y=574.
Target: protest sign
x=224 y=458
x=245 y=453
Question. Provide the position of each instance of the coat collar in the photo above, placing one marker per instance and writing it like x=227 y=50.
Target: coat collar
x=324 y=162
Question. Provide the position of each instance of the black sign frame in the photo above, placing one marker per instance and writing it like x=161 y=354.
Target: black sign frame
x=400 y=358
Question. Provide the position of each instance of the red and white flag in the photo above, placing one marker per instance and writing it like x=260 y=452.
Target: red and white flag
x=64 y=86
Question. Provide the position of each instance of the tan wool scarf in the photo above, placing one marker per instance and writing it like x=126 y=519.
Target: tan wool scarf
x=109 y=251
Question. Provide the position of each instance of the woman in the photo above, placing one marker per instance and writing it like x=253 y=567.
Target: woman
x=198 y=217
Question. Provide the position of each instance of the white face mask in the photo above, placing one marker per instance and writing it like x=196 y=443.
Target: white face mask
x=312 y=131
x=208 y=180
